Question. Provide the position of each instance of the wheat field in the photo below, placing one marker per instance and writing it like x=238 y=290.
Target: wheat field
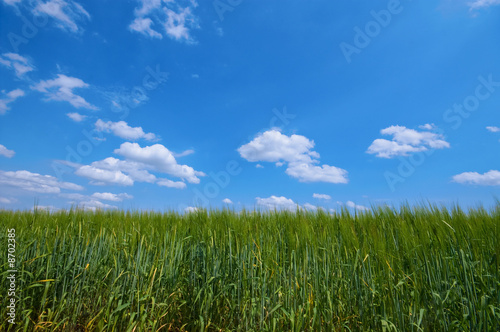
x=412 y=268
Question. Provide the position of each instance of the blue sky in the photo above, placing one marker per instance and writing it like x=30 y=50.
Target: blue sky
x=155 y=104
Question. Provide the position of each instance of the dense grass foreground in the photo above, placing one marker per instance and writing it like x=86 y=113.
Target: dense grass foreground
x=411 y=269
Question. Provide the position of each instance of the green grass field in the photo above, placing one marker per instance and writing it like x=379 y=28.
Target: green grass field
x=407 y=269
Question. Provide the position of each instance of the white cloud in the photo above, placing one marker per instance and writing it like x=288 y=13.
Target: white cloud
x=77 y=117
x=171 y=184
x=34 y=182
x=184 y=153
x=493 y=129
x=309 y=173
x=134 y=170
x=406 y=141
x=143 y=25
x=101 y=176
x=259 y=166
x=136 y=166
x=6 y=152
x=5 y=200
x=309 y=206
x=273 y=146
x=273 y=202
x=322 y=196
x=353 y=205
x=111 y=197
x=11 y=2
x=20 y=64
x=490 y=178
x=178 y=23
x=93 y=201
x=45 y=207
x=61 y=89
x=10 y=97
x=404 y=135
x=483 y=3
x=158 y=158
x=73 y=196
x=388 y=149
x=94 y=204
x=175 y=18
x=296 y=150
x=123 y=130
x=428 y=126
x=66 y=13
x=190 y=209
x=227 y=201
x=147 y=7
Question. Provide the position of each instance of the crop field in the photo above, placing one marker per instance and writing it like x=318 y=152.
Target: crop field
x=423 y=268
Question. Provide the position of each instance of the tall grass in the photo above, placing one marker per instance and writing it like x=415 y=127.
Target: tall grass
x=413 y=269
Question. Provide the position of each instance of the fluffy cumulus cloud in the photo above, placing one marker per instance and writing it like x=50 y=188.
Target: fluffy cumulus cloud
x=21 y=65
x=490 y=178
x=406 y=141
x=67 y=14
x=352 y=205
x=309 y=206
x=483 y=3
x=6 y=152
x=137 y=165
x=428 y=126
x=294 y=150
x=172 y=18
x=273 y=146
x=34 y=182
x=77 y=117
x=123 y=130
x=322 y=196
x=310 y=173
x=283 y=203
x=171 y=184
x=93 y=204
x=8 y=98
x=99 y=176
x=94 y=201
x=493 y=129
x=112 y=197
x=227 y=201
x=190 y=209
x=61 y=89
x=275 y=202
x=115 y=171
x=158 y=158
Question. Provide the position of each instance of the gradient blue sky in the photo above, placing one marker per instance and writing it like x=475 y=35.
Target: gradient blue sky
x=155 y=104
